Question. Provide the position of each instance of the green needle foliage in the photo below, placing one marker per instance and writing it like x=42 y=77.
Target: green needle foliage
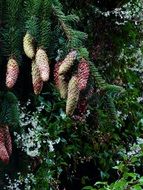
x=74 y=37
x=32 y=9
x=9 y=113
x=51 y=150
x=12 y=31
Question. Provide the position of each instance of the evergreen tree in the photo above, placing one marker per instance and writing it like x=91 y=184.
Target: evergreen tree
x=71 y=76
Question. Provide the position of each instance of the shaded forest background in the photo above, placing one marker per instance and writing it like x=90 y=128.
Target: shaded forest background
x=100 y=145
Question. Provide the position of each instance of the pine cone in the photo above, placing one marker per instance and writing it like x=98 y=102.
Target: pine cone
x=43 y=64
x=36 y=79
x=8 y=141
x=67 y=63
x=56 y=74
x=81 y=110
x=12 y=73
x=63 y=86
x=29 y=46
x=83 y=74
x=3 y=151
x=82 y=106
x=73 y=95
x=80 y=113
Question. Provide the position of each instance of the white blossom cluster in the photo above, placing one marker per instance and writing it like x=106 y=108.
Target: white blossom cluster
x=131 y=11
x=29 y=140
x=121 y=115
x=135 y=148
x=136 y=57
x=17 y=183
x=138 y=67
x=139 y=99
x=33 y=135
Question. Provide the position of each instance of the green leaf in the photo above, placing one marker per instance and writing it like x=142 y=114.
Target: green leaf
x=141 y=180
x=137 y=187
x=88 y=188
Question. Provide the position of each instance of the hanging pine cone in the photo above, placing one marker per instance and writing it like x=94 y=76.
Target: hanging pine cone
x=73 y=95
x=3 y=151
x=43 y=64
x=36 y=79
x=83 y=74
x=12 y=73
x=28 y=46
x=82 y=105
x=81 y=111
x=8 y=141
x=56 y=74
x=63 y=86
x=67 y=62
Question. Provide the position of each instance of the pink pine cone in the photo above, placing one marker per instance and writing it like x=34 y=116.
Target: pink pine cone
x=8 y=141
x=81 y=109
x=56 y=73
x=12 y=73
x=82 y=106
x=83 y=74
x=3 y=151
x=36 y=79
x=3 y=154
x=43 y=64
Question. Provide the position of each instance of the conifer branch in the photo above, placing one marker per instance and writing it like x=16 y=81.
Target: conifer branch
x=111 y=109
x=12 y=31
x=32 y=9
x=45 y=24
x=9 y=113
x=75 y=38
x=100 y=82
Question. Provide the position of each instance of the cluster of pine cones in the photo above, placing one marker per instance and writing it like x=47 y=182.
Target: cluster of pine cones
x=70 y=89
x=40 y=63
x=41 y=73
x=40 y=66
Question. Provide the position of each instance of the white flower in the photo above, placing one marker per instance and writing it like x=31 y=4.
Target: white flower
x=62 y=114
